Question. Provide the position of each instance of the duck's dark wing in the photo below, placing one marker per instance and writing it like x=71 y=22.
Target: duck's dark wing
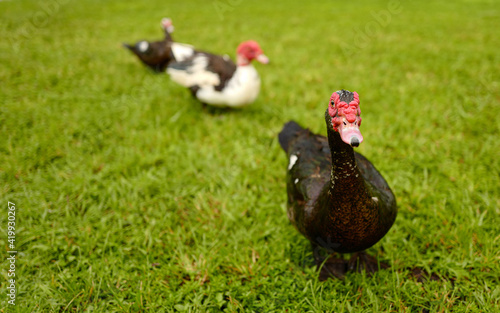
x=201 y=62
x=223 y=66
x=309 y=170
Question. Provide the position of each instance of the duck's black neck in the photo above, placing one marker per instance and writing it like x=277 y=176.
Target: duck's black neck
x=345 y=173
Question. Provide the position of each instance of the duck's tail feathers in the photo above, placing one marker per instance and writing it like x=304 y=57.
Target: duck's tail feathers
x=288 y=132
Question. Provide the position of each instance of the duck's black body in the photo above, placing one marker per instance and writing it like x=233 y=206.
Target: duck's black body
x=336 y=197
x=156 y=54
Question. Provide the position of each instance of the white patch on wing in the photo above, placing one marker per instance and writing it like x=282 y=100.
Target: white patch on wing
x=375 y=199
x=242 y=89
x=293 y=159
x=196 y=74
x=143 y=46
x=296 y=180
x=181 y=51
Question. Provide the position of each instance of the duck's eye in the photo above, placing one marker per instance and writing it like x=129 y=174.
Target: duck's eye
x=345 y=123
x=332 y=103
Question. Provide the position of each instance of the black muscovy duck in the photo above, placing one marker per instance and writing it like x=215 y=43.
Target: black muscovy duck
x=158 y=54
x=336 y=197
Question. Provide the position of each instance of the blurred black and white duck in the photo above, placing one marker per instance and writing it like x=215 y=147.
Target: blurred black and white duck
x=216 y=80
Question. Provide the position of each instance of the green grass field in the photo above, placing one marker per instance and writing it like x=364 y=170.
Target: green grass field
x=131 y=198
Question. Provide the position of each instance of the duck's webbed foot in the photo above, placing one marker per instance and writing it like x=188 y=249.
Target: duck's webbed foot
x=361 y=261
x=332 y=267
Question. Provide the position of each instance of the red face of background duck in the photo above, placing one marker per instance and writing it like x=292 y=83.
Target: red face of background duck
x=346 y=119
x=248 y=51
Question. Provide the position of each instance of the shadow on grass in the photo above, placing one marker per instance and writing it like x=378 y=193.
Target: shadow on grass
x=303 y=257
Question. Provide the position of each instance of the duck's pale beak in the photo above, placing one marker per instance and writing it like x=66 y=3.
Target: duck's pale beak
x=350 y=134
x=262 y=59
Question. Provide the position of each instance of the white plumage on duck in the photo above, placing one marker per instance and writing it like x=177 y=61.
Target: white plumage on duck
x=242 y=89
